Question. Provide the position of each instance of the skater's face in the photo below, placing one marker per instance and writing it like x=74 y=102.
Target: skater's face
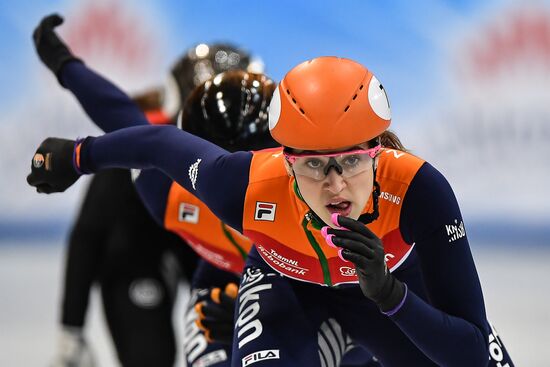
x=335 y=181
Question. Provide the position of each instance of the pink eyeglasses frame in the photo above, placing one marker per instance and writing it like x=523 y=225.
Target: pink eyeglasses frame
x=372 y=152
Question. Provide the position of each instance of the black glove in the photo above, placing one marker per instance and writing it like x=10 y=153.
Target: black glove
x=52 y=167
x=50 y=48
x=366 y=251
x=216 y=314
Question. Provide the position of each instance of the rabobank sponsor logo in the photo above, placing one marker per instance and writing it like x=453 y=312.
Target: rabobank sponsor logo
x=280 y=261
x=259 y=356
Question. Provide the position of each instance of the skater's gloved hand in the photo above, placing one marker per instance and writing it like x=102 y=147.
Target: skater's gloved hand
x=72 y=350
x=52 y=168
x=216 y=314
x=50 y=48
x=365 y=250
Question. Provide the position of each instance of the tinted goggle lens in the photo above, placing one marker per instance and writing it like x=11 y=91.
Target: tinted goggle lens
x=346 y=164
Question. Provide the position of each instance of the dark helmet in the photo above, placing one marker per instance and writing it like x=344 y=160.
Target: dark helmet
x=204 y=61
x=231 y=111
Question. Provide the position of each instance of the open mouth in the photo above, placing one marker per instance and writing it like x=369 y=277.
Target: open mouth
x=340 y=207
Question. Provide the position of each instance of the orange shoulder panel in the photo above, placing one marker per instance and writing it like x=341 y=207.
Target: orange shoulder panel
x=396 y=170
x=267 y=164
x=399 y=166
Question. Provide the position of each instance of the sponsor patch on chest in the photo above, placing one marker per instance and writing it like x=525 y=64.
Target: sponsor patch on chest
x=265 y=211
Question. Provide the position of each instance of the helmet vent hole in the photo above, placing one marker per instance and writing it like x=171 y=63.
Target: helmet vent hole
x=354 y=98
x=295 y=102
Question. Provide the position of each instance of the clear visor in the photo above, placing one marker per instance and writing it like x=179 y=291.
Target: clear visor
x=347 y=164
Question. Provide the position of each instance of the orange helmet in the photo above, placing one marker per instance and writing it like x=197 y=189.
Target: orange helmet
x=328 y=103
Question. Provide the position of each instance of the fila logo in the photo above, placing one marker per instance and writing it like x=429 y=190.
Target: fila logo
x=455 y=231
x=188 y=213
x=262 y=355
x=265 y=211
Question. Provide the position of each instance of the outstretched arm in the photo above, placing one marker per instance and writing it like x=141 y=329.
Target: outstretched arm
x=215 y=176
x=108 y=106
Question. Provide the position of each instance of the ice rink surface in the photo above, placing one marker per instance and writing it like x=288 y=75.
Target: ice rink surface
x=514 y=280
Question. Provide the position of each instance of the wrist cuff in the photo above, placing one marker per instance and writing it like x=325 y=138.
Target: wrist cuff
x=76 y=156
x=64 y=61
x=399 y=305
x=81 y=162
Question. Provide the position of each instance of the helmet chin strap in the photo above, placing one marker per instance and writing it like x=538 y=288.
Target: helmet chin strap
x=372 y=216
x=363 y=218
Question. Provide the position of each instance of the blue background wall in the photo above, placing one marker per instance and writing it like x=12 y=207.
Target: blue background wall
x=468 y=83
